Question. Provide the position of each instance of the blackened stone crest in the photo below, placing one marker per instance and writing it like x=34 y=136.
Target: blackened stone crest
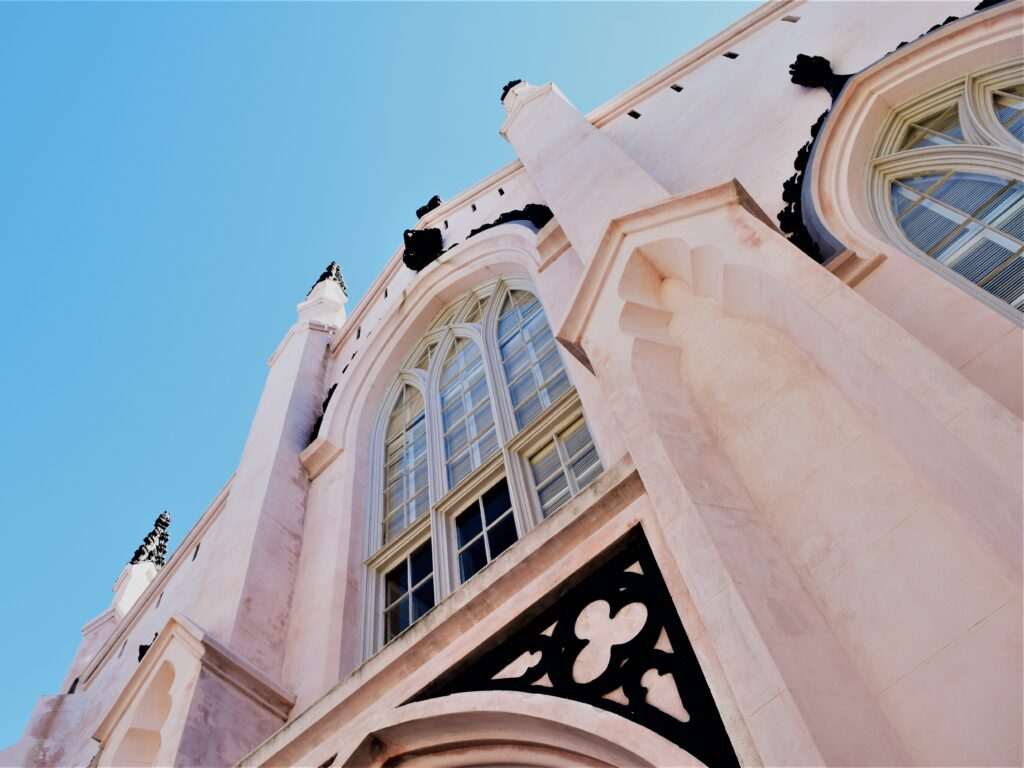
x=154 y=547
x=333 y=272
x=614 y=641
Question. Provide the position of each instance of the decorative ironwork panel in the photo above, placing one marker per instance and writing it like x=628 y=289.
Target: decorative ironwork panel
x=610 y=638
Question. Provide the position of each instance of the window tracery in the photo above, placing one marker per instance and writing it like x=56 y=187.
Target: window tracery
x=948 y=180
x=480 y=438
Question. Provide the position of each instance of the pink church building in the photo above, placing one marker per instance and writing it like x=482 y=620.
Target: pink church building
x=691 y=437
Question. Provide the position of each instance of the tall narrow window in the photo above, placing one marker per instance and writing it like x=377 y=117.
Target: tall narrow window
x=466 y=416
x=408 y=591
x=452 y=463
x=484 y=530
x=405 y=469
x=565 y=466
x=530 y=357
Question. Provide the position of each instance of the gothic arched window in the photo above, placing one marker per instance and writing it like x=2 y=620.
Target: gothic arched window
x=948 y=180
x=481 y=437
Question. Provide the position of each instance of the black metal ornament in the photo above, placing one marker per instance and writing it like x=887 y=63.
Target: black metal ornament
x=535 y=213
x=508 y=87
x=154 y=547
x=816 y=72
x=545 y=649
x=431 y=204
x=332 y=272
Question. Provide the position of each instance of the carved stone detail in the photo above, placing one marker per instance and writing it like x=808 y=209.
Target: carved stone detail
x=154 y=547
x=612 y=640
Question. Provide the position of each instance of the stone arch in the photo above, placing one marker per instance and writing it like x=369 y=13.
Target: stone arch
x=512 y=728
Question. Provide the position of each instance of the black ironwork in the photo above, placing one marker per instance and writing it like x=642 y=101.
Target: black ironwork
x=430 y=205
x=816 y=72
x=323 y=410
x=791 y=218
x=333 y=272
x=508 y=87
x=154 y=547
x=422 y=247
x=538 y=215
x=539 y=655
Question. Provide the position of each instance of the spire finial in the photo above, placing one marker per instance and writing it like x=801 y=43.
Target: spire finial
x=333 y=272
x=154 y=547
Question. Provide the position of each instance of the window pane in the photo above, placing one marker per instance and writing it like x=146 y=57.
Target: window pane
x=554 y=494
x=472 y=559
x=396 y=619
x=459 y=468
x=422 y=599
x=1008 y=283
x=968 y=192
x=502 y=536
x=468 y=524
x=396 y=583
x=980 y=258
x=421 y=562
x=937 y=129
x=928 y=224
x=496 y=502
x=487 y=444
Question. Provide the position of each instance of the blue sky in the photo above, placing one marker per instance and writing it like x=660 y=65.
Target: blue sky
x=173 y=177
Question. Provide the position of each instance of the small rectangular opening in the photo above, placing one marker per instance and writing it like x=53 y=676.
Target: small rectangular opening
x=791 y=19
x=345 y=368
x=676 y=87
x=446 y=223
x=123 y=646
x=634 y=114
x=161 y=597
x=385 y=293
x=473 y=206
x=354 y=355
x=359 y=331
x=731 y=55
x=195 y=552
x=500 y=191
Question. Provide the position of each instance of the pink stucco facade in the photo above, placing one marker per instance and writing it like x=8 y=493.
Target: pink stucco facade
x=824 y=460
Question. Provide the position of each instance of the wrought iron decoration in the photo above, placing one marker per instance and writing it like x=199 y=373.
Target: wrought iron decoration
x=154 y=547
x=538 y=215
x=508 y=87
x=333 y=272
x=651 y=677
x=431 y=204
x=422 y=247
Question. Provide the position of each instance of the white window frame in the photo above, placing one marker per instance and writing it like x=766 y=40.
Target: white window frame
x=509 y=461
x=988 y=148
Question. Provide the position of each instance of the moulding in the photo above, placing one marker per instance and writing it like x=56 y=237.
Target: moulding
x=213 y=656
x=412 y=535
x=99 y=621
x=472 y=485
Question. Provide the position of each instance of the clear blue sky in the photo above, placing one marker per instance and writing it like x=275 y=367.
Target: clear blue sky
x=173 y=177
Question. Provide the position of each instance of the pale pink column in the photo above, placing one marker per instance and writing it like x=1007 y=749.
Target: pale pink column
x=586 y=179
x=259 y=534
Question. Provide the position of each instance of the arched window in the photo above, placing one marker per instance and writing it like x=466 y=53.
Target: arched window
x=481 y=437
x=948 y=180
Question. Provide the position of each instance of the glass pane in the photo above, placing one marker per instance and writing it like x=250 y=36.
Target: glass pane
x=576 y=438
x=586 y=468
x=496 y=502
x=902 y=199
x=980 y=258
x=1008 y=283
x=545 y=464
x=468 y=524
x=558 y=385
x=459 y=468
x=396 y=619
x=502 y=536
x=396 y=584
x=472 y=559
x=421 y=562
x=393 y=526
x=456 y=440
x=928 y=224
x=554 y=494
x=940 y=128
x=422 y=599
x=1008 y=105
x=487 y=444
x=968 y=192
x=528 y=411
